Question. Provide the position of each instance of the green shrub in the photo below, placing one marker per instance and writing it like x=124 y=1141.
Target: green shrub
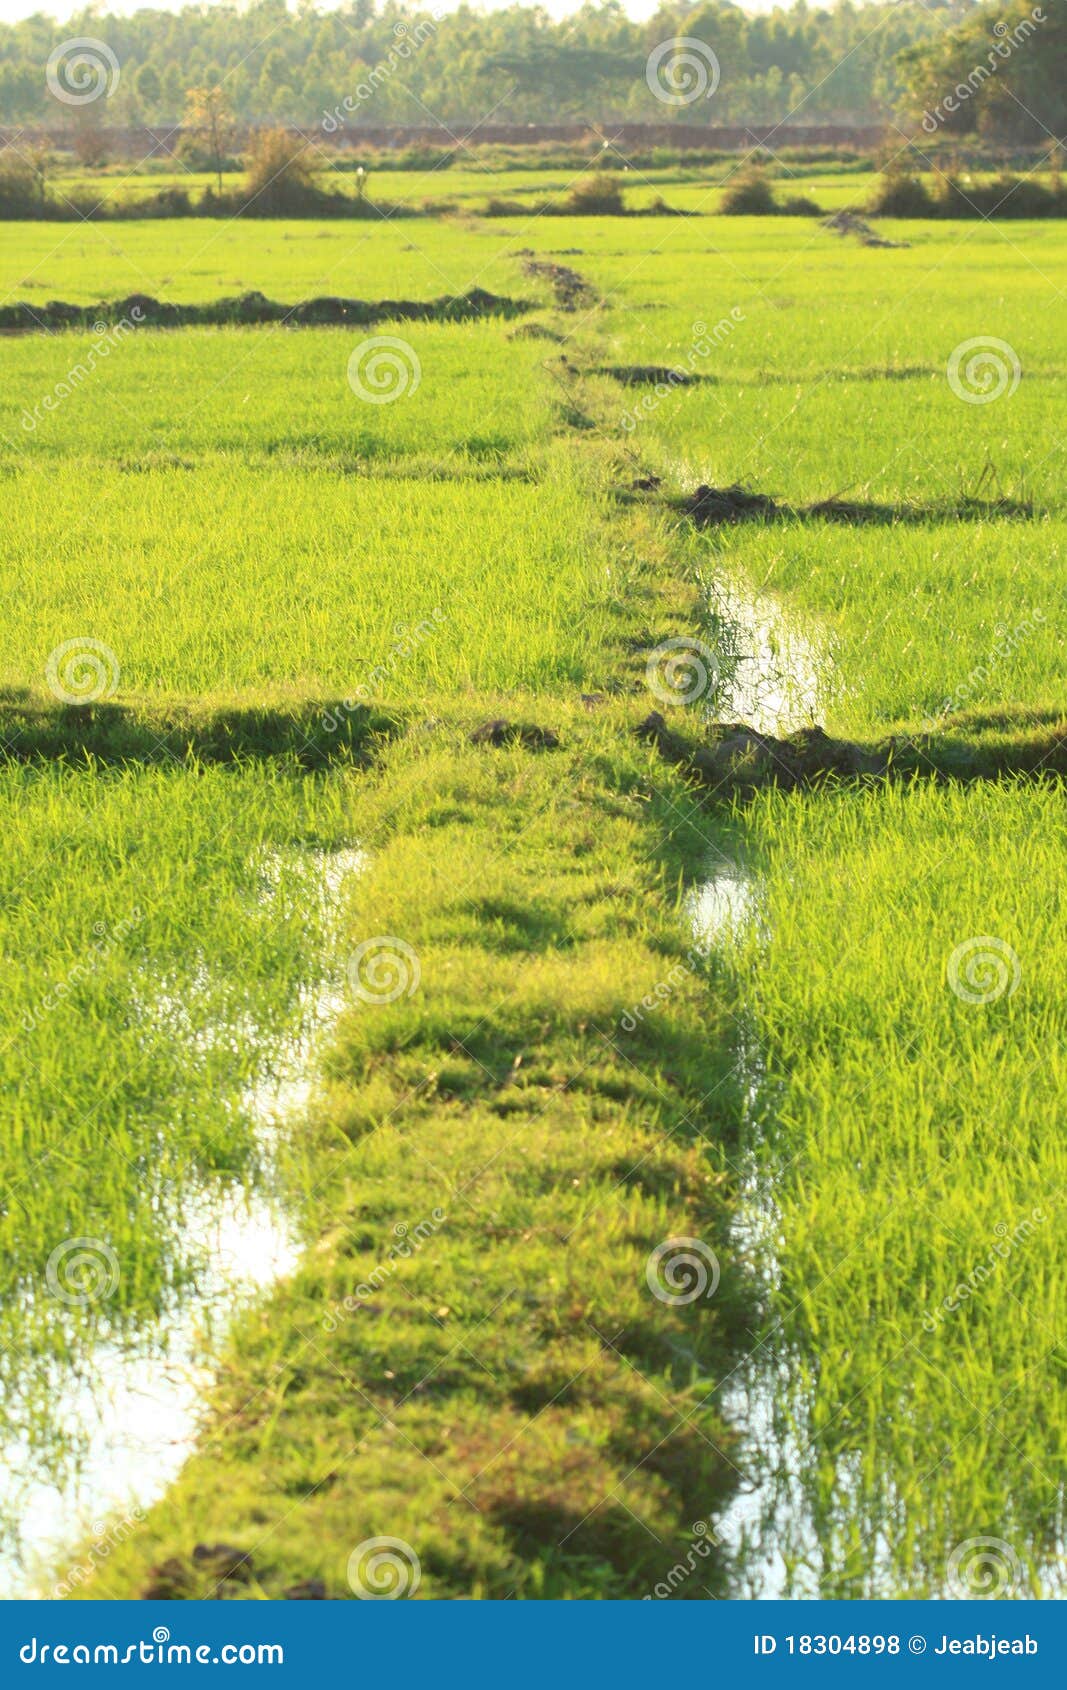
x=749 y=195
x=1008 y=196
x=504 y=208
x=801 y=206
x=595 y=196
x=165 y=202
x=900 y=195
x=21 y=187
x=281 y=180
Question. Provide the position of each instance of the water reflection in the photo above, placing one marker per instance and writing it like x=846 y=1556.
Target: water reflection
x=773 y=676
x=124 y=1417
x=767 y=1532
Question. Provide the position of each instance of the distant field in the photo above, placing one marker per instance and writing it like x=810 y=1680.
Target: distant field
x=831 y=381
x=688 y=188
x=201 y=259
x=697 y=189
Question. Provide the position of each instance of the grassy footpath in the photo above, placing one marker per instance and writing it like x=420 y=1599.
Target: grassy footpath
x=509 y=1398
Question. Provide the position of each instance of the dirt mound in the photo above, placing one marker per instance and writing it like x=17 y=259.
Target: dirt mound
x=140 y=310
x=648 y=375
x=500 y=732
x=535 y=331
x=849 y=223
x=734 y=760
x=738 y=758
x=571 y=290
x=709 y=506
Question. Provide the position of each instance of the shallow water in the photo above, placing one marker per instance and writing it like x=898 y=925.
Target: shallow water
x=129 y=1414
x=773 y=675
x=722 y=905
x=767 y=1529
x=132 y=1419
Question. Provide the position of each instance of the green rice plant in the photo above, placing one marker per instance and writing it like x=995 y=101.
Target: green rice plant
x=462 y=398
x=917 y=625
x=163 y=930
x=223 y=578
x=902 y=990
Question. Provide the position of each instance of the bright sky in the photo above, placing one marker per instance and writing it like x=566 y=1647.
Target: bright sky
x=11 y=10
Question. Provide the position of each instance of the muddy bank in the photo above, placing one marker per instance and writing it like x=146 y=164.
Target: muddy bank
x=648 y=375
x=712 y=507
x=734 y=759
x=140 y=310
x=535 y=331
x=849 y=223
x=571 y=290
x=500 y=732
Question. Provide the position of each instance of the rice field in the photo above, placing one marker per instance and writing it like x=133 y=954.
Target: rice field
x=177 y=394
x=328 y=598
x=429 y=988
x=906 y=1043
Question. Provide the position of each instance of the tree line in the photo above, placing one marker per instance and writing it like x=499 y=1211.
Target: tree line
x=399 y=64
